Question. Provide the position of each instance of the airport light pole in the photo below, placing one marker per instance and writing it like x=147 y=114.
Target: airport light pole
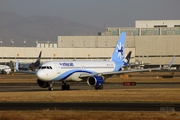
x=0 y=42
x=48 y=42
x=12 y=43
x=37 y=43
x=25 y=43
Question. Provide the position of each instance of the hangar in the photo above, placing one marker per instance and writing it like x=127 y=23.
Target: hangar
x=151 y=41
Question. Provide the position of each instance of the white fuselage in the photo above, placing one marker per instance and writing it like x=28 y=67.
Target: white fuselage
x=71 y=70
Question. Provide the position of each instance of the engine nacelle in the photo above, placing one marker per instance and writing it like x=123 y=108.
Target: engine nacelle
x=3 y=71
x=95 y=81
x=42 y=84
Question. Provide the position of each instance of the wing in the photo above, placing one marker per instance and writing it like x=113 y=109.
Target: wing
x=108 y=74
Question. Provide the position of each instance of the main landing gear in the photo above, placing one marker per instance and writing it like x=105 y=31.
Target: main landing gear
x=65 y=86
x=99 y=87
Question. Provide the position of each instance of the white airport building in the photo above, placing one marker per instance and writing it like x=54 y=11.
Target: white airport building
x=151 y=41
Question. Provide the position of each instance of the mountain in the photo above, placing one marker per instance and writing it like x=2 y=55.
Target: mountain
x=39 y=28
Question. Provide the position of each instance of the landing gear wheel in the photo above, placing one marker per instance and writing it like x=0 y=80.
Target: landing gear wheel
x=96 y=88
x=65 y=87
x=51 y=89
x=99 y=87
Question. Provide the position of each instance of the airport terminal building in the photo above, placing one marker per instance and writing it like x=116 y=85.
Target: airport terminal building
x=151 y=41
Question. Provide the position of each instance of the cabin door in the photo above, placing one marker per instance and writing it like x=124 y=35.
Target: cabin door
x=58 y=68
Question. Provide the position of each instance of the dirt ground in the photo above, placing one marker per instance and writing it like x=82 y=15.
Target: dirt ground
x=87 y=115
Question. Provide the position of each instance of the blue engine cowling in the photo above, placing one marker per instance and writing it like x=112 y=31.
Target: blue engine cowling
x=95 y=81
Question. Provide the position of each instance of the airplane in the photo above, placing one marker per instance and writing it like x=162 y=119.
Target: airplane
x=35 y=65
x=4 y=69
x=31 y=66
x=132 y=65
x=93 y=72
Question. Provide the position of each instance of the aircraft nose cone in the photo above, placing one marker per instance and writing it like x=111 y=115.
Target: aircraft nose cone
x=40 y=75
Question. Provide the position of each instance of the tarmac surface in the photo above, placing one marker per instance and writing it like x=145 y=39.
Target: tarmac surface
x=106 y=106
x=115 y=106
x=22 y=87
x=109 y=106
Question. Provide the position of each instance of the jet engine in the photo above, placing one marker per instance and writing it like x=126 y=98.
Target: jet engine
x=95 y=81
x=42 y=84
x=3 y=71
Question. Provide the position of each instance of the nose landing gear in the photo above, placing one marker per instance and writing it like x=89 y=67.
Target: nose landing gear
x=50 y=88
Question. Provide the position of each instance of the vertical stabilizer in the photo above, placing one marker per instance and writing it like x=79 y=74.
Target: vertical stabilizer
x=170 y=64
x=127 y=59
x=118 y=54
x=38 y=61
x=39 y=58
x=35 y=65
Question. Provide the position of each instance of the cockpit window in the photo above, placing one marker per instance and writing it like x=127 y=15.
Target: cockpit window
x=45 y=67
x=49 y=67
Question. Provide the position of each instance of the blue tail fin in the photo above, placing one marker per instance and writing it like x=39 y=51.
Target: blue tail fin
x=170 y=64
x=118 y=54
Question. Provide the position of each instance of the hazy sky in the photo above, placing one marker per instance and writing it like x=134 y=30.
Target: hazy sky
x=100 y=13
